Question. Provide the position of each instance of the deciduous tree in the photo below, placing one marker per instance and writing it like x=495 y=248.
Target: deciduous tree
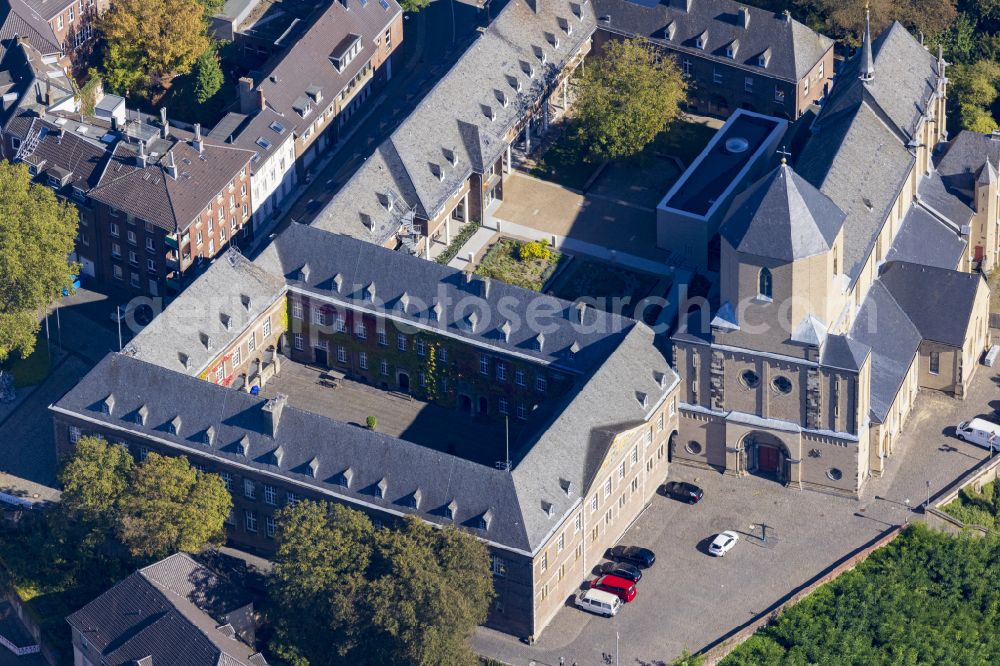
x=974 y=91
x=149 y=41
x=626 y=97
x=171 y=506
x=36 y=237
x=413 y=6
x=207 y=75
x=95 y=479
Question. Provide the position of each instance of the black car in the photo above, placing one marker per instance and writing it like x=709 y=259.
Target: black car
x=683 y=491
x=622 y=570
x=641 y=557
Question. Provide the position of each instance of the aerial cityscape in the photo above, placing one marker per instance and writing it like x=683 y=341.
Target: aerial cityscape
x=499 y=332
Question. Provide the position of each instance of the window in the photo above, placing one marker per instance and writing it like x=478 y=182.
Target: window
x=382 y=340
x=116 y=250
x=635 y=484
x=267 y=326
x=220 y=372
x=319 y=317
x=750 y=379
x=561 y=543
x=249 y=489
x=543 y=563
x=131 y=237
x=117 y=270
x=686 y=64
x=291 y=499
x=270 y=495
x=419 y=344
x=74 y=434
x=578 y=523
x=383 y=367
x=237 y=356
x=230 y=518
x=150 y=245
x=934 y=363
x=634 y=458
x=150 y=265
x=341 y=324
x=693 y=447
x=422 y=379
x=659 y=423
x=673 y=406
x=779 y=94
x=540 y=383
x=501 y=371
x=360 y=330
x=443 y=354
x=388 y=40
x=270 y=526
x=764 y=286
x=782 y=384
x=227 y=479
x=621 y=471
x=299 y=343
x=498 y=566
x=401 y=342
x=805 y=86
x=716 y=76
x=297 y=310
x=133 y=258
x=593 y=504
x=60 y=22
x=519 y=377
x=484 y=364
x=503 y=406
x=834 y=474
x=748 y=84
x=250 y=519
x=113 y=229
x=521 y=412
x=363 y=360
x=607 y=488
x=143 y=453
x=252 y=341
x=341 y=354
x=819 y=72
x=72 y=14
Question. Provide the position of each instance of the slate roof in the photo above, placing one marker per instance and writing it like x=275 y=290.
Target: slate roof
x=26 y=73
x=841 y=351
x=938 y=301
x=782 y=217
x=28 y=19
x=425 y=284
x=933 y=194
x=152 y=195
x=155 y=612
x=262 y=133
x=926 y=240
x=233 y=290
x=83 y=159
x=965 y=156
x=793 y=48
x=450 y=134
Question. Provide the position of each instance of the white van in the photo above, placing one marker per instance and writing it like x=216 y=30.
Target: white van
x=600 y=602
x=979 y=431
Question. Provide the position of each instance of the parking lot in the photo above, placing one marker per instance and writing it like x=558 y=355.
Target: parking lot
x=689 y=599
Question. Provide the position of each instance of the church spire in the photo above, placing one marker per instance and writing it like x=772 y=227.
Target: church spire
x=867 y=71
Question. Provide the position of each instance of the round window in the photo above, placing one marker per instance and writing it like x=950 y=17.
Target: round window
x=782 y=384
x=834 y=474
x=693 y=447
x=750 y=379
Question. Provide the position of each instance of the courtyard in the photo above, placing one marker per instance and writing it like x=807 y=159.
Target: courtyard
x=398 y=415
x=689 y=600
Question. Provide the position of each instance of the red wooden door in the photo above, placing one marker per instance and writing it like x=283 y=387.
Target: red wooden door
x=767 y=459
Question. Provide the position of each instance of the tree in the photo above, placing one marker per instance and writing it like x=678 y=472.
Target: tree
x=172 y=506
x=37 y=233
x=975 y=90
x=212 y=7
x=845 y=19
x=95 y=479
x=413 y=6
x=318 y=582
x=207 y=76
x=626 y=98
x=148 y=42
x=431 y=587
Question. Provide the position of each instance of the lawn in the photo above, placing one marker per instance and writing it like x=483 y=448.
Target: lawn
x=926 y=598
x=606 y=284
x=563 y=162
x=974 y=508
x=33 y=369
x=503 y=262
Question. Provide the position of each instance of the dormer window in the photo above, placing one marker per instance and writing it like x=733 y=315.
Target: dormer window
x=701 y=41
x=345 y=51
x=764 y=58
x=732 y=49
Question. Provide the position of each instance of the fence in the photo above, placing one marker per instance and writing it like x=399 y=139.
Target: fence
x=983 y=473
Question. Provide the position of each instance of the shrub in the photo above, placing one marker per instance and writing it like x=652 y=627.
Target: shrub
x=371 y=422
x=538 y=249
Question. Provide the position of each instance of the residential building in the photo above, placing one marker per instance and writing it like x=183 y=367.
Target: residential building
x=446 y=162
x=734 y=55
x=571 y=477
x=172 y=612
x=54 y=28
x=843 y=289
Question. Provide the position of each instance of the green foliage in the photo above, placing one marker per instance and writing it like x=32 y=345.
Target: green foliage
x=535 y=250
x=927 y=598
x=457 y=241
x=95 y=479
x=88 y=93
x=688 y=659
x=974 y=91
x=207 y=75
x=504 y=261
x=982 y=508
x=413 y=6
x=212 y=7
x=431 y=372
x=37 y=232
x=346 y=593
x=371 y=422
x=172 y=506
x=627 y=97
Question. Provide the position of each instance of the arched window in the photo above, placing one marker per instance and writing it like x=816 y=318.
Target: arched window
x=764 y=284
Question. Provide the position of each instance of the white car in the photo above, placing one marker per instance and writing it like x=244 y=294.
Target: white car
x=723 y=543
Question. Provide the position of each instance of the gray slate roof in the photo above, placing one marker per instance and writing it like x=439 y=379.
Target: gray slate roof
x=452 y=123
x=425 y=283
x=29 y=20
x=232 y=290
x=933 y=194
x=925 y=240
x=793 y=48
x=155 y=612
x=83 y=159
x=938 y=301
x=782 y=217
x=841 y=351
x=965 y=156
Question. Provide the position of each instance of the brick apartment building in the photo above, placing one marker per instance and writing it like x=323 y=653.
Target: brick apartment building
x=446 y=162
x=735 y=56
x=54 y=28
x=581 y=468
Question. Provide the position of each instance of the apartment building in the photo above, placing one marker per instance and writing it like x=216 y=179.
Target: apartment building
x=54 y=28
x=580 y=468
x=735 y=55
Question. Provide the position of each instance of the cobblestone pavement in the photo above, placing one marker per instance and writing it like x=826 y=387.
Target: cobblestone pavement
x=689 y=599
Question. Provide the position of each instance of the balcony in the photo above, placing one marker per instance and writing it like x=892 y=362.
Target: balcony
x=171 y=240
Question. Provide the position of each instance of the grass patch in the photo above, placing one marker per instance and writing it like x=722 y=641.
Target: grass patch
x=972 y=508
x=615 y=288
x=564 y=161
x=995 y=291
x=503 y=262
x=457 y=241
x=684 y=140
x=32 y=369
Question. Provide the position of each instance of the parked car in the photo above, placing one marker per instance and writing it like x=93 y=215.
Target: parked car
x=980 y=432
x=599 y=602
x=641 y=557
x=723 y=543
x=622 y=570
x=620 y=587
x=683 y=491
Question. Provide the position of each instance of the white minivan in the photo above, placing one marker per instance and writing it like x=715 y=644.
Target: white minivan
x=979 y=431
x=600 y=602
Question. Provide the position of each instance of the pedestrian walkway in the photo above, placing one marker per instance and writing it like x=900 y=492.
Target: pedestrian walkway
x=474 y=246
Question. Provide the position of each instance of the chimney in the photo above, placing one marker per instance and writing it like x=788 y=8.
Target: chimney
x=141 y=158
x=272 y=413
x=171 y=165
x=165 y=122
x=245 y=93
x=199 y=145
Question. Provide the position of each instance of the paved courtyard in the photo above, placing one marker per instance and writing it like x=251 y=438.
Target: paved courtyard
x=398 y=415
x=689 y=599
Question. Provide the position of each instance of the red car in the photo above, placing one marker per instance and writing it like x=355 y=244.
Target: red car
x=622 y=588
